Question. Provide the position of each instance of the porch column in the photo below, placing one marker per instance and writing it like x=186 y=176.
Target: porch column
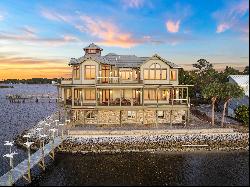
x=156 y=115
x=182 y=93
x=62 y=95
x=120 y=97
x=96 y=96
x=157 y=99
x=143 y=118
x=143 y=96
x=120 y=118
x=84 y=117
x=73 y=96
x=186 y=115
x=171 y=118
x=131 y=99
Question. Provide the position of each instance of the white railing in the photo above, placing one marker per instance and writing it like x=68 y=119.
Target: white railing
x=108 y=79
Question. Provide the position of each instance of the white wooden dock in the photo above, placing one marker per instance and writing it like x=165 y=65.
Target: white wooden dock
x=22 y=169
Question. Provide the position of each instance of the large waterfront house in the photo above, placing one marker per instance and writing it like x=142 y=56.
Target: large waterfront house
x=124 y=89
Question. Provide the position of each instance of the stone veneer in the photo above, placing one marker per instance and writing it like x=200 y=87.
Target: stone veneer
x=113 y=117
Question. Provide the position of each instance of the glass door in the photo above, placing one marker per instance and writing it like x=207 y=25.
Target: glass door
x=105 y=73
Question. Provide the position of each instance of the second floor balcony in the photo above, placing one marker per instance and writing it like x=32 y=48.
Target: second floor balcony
x=103 y=97
x=116 y=80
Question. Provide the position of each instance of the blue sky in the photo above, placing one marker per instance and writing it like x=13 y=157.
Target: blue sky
x=46 y=34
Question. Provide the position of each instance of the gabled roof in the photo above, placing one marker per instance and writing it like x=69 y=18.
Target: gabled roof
x=126 y=61
x=93 y=46
x=240 y=79
x=156 y=56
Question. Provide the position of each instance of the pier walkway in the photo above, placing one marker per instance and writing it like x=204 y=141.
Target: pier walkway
x=23 y=168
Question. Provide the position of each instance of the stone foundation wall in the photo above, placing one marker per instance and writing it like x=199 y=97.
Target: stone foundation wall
x=108 y=116
x=113 y=117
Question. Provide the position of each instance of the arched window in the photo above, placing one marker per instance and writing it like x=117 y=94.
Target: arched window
x=155 y=72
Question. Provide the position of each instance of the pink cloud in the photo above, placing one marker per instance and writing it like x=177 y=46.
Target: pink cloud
x=107 y=32
x=222 y=27
x=1 y=17
x=55 y=16
x=172 y=26
x=230 y=16
x=133 y=3
x=28 y=34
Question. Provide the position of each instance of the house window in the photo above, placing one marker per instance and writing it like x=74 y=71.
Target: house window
x=90 y=72
x=173 y=75
x=163 y=74
x=76 y=72
x=90 y=94
x=131 y=114
x=151 y=74
x=160 y=114
x=155 y=73
x=145 y=74
x=151 y=94
x=125 y=75
x=90 y=115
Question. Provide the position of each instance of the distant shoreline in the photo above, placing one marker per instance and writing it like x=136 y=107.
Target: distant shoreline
x=2 y=86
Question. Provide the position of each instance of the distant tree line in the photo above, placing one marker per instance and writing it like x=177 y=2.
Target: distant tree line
x=30 y=81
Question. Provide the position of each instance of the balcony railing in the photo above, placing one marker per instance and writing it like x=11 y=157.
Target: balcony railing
x=120 y=102
x=129 y=102
x=115 y=80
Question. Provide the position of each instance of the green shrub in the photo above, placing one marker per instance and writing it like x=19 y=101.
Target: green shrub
x=242 y=114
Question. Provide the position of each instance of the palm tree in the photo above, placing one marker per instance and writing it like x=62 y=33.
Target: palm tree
x=230 y=91
x=212 y=91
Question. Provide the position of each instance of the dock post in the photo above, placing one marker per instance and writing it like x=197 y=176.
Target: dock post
x=52 y=153
x=28 y=177
x=42 y=162
x=10 y=172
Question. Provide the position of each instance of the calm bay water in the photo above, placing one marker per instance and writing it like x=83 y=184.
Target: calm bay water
x=200 y=168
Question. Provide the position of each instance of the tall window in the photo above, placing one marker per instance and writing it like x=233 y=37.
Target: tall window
x=173 y=75
x=155 y=73
x=151 y=94
x=125 y=75
x=89 y=94
x=90 y=72
x=76 y=72
x=163 y=74
x=145 y=74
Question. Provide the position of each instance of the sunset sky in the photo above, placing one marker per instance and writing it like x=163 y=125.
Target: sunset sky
x=37 y=38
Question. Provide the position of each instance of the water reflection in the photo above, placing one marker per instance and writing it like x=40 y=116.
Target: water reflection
x=149 y=169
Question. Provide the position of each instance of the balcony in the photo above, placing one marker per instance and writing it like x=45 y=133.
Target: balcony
x=115 y=80
x=66 y=81
x=120 y=102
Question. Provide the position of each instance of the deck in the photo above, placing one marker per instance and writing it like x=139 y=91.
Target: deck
x=21 y=169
